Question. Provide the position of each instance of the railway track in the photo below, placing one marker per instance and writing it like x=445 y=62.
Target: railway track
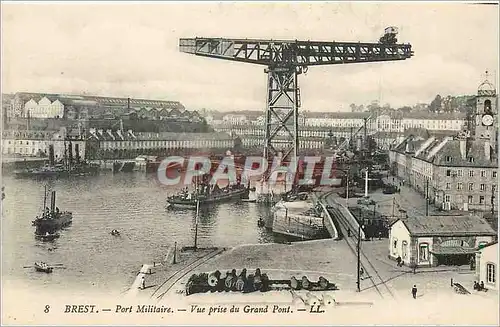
x=183 y=272
x=365 y=263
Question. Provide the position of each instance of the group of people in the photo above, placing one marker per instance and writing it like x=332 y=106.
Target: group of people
x=48 y=214
x=230 y=282
x=479 y=286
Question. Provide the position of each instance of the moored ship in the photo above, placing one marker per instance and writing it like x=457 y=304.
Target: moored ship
x=69 y=166
x=51 y=220
x=207 y=194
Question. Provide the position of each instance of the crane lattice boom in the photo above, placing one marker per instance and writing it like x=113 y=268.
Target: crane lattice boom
x=285 y=60
x=294 y=53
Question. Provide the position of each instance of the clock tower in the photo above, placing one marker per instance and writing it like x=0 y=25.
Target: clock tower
x=485 y=117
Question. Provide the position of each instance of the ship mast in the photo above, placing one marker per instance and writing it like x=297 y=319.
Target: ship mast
x=196 y=224
x=44 y=200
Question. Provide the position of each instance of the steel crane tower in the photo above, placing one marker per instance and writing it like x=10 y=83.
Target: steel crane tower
x=285 y=61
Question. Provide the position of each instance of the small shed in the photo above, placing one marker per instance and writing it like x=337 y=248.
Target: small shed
x=438 y=240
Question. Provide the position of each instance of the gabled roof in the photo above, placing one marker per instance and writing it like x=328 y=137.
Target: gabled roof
x=410 y=144
x=151 y=136
x=439 y=149
x=466 y=225
x=474 y=149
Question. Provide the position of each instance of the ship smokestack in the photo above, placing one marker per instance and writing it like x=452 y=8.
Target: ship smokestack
x=51 y=155
x=53 y=201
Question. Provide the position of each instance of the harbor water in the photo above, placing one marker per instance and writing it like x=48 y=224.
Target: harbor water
x=134 y=204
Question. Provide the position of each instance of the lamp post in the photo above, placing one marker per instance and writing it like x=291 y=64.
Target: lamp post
x=358 y=248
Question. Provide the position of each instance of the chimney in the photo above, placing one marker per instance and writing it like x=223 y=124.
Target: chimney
x=487 y=150
x=463 y=148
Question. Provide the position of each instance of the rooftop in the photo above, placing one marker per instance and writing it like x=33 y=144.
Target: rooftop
x=465 y=225
x=115 y=135
x=443 y=150
x=68 y=99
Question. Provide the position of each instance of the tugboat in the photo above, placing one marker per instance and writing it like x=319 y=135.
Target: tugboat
x=207 y=194
x=51 y=220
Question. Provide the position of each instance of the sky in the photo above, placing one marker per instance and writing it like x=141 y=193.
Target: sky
x=131 y=50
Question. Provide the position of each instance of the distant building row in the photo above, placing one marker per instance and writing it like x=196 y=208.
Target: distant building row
x=386 y=122
x=39 y=105
x=97 y=143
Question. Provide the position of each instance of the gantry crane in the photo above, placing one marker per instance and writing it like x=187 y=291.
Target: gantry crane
x=285 y=61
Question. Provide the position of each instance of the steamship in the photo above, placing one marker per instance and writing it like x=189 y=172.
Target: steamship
x=51 y=220
x=206 y=194
x=68 y=166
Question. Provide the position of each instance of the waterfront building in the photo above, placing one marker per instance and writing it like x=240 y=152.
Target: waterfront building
x=455 y=172
x=427 y=241
x=34 y=143
x=487 y=265
x=107 y=144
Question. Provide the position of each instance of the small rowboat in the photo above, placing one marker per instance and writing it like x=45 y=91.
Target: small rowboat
x=43 y=267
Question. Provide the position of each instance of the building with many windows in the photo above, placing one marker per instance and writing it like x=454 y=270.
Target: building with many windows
x=455 y=172
x=44 y=108
x=36 y=143
x=106 y=144
x=388 y=128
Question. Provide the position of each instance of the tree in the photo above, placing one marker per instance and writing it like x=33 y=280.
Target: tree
x=374 y=106
x=436 y=104
x=405 y=109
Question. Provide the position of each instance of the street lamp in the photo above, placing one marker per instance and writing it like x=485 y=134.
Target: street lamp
x=358 y=248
